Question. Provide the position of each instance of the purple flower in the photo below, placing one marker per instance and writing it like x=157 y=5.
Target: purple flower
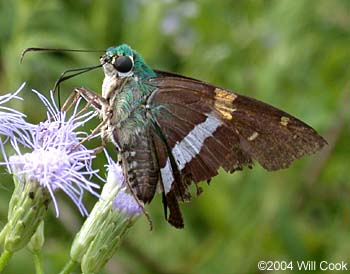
x=126 y=203
x=123 y=201
x=12 y=123
x=57 y=159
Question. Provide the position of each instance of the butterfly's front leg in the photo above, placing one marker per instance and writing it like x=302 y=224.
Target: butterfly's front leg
x=95 y=100
x=101 y=105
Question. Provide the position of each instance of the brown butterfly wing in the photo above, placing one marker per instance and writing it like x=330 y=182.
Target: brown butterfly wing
x=205 y=127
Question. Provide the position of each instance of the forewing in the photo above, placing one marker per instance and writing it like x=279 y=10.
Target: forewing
x=207 y=127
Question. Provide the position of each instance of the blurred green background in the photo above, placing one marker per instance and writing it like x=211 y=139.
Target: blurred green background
x=292 y=54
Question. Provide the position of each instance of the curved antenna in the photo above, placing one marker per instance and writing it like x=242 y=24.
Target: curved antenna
x=25 y=51
x=77 y=71
x=63 y=76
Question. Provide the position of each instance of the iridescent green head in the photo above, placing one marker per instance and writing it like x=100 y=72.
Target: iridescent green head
x=122 y=61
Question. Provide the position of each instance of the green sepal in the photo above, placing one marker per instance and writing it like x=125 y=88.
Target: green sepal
x=93 y=223
x=28 y=207
x=37 y=241
x=102 y=231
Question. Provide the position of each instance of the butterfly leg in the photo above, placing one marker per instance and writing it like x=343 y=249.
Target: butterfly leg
x=101 y=105
x=95 y=100
x=70 y=102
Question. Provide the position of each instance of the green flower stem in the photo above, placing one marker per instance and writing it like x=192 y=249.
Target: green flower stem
x=4 y=259
x=35 y=244
x=37 y=263
x=69 y=267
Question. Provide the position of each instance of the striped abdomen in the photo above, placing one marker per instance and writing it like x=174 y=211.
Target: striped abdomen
x=140 y=166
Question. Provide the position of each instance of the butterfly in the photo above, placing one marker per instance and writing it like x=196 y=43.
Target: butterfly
x=171 y=131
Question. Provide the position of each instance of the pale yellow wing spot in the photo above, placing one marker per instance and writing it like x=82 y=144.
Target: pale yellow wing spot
x=225 y=95
x=284 y=121
x=223 y=103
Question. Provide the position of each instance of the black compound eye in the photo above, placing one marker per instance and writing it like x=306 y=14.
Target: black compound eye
x=123 y=64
